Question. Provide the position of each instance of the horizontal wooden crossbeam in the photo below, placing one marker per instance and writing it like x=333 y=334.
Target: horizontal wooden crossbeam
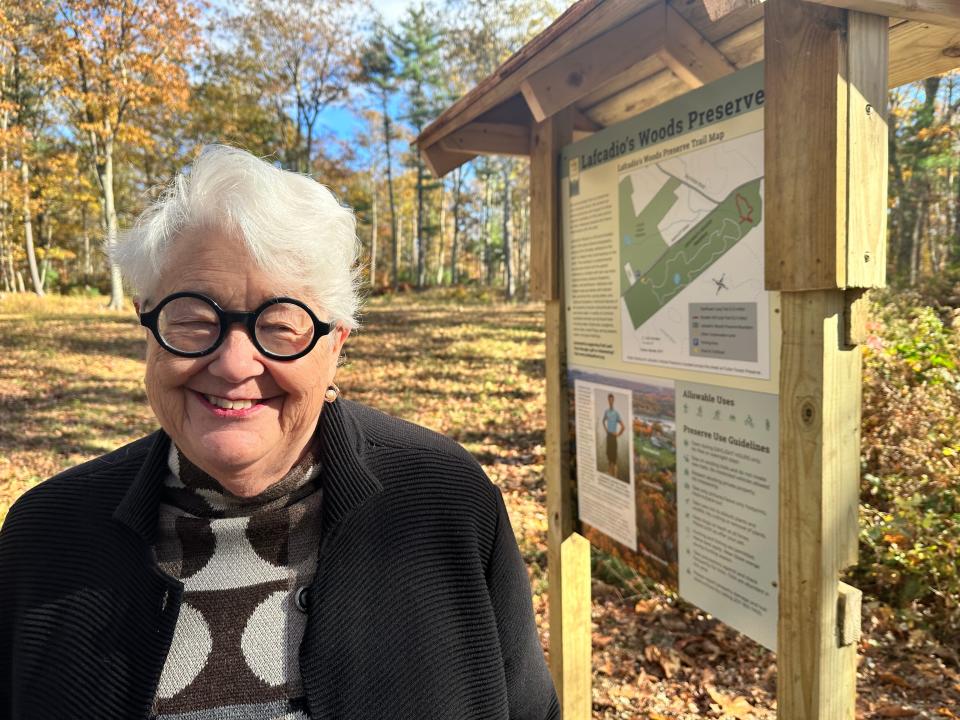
x=441 y=161
x=935 y=12
x=688 y=54
x=489 y=138
x=563 y=82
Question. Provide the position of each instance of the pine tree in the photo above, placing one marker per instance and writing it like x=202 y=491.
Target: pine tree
x=378 y=71
x=417 y=46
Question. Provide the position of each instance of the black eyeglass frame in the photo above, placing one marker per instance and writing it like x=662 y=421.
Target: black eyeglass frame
x=226 y=318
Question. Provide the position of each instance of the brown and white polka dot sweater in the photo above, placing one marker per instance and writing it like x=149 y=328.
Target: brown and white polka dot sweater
x=235 y=650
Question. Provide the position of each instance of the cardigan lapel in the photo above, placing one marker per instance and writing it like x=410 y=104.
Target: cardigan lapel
x=139 y=508
x=347 y=481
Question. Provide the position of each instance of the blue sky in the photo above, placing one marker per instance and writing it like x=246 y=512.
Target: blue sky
x=392 y=9
x=339 y=120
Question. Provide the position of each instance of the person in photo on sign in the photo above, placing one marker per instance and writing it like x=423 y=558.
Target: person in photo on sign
x=614 y=427
x=274 y=550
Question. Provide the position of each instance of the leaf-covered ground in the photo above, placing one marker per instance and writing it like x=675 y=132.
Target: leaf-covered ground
x=71 y=388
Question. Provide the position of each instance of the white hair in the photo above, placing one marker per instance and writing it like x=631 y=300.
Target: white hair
x=292 y=226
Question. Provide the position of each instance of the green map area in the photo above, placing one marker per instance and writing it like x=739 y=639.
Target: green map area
x=642 y=244
x=664 y=271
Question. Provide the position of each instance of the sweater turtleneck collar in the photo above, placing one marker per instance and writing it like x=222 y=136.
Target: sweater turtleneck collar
x=192 y=490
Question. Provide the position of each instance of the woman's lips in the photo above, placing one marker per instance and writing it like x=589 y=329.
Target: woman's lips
x=224 y=407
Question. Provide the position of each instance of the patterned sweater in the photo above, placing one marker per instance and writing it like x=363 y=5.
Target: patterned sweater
x=235 y=649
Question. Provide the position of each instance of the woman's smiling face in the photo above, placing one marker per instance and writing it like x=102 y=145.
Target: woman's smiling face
x=247 y=449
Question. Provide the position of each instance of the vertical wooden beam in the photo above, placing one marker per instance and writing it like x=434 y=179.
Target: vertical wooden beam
x=867 y=150
x=805 y=153
x=819 y=470
x=566 y=612
x=577 y=703
x=546 y=140
x=825 y=191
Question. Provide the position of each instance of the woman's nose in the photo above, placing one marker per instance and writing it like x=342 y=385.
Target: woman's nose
x=237 y=358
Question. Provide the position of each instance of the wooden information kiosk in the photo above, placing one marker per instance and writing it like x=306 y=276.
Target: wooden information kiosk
x=645 y=91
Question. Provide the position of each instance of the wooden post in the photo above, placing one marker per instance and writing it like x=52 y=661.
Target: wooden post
x=568 y=565
x=825 y=183
x=574 y=644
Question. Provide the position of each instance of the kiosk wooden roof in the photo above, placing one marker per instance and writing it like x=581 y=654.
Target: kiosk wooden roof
x=612 y=59
x=828 y=64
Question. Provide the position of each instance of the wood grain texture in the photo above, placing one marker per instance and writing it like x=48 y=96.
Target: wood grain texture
x=857 y=315
x=546 y=141
x=936 y=12
x=631 y=76
x=577 y=701
x=919 y=50
x=689 y=55
x=440 y=160
x=819 y=470
x=634 y=100
x=744 y=47
x=805 y=146
x=489 y=139
x=569 y=78
x=561 y=510
x=867 y=151
x=697 y=13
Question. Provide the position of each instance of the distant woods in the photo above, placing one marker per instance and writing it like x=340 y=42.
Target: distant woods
x=103 y=100
x=924 y=219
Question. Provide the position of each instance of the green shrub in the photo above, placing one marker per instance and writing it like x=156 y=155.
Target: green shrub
x=910 y=499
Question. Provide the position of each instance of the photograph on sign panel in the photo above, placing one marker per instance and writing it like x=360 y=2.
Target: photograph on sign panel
x=655 y=467
x=626 y=437
x=613 y=433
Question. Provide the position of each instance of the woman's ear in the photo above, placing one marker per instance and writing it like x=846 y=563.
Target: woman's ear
x=340 y=334
x=136 y=305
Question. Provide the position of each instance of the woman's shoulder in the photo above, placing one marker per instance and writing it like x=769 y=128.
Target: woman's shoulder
x=386 y=431
x=407 y=451
x=85 y=489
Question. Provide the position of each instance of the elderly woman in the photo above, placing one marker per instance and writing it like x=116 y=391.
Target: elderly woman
x=274 y=551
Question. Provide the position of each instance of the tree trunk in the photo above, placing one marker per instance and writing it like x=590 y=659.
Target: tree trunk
x=116 y=280
x=28 y=227
x=393 y=206
x=454 y=246
x=87 y=264
x=373 y=240
x=6 y=243
x=421 y=244
x=440 y=238
x=898 y=217
x=507 y=249
x=487 y=260
x=397 y=252
x=46 y=229
x=954 y=256
x=915 y=244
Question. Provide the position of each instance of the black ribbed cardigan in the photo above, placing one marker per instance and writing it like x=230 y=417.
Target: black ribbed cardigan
x=420 y=607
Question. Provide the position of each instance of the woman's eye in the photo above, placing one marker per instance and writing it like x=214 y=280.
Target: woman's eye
x=278 y=329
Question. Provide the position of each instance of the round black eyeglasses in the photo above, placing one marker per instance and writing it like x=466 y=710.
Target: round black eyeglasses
x=189 y=324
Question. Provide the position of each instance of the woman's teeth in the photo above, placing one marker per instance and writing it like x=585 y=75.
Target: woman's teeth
x=229 y=404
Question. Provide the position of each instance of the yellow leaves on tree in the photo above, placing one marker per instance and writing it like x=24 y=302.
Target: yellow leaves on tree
x=123 y=56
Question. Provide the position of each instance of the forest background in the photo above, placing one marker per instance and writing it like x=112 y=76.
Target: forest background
x=101 y=101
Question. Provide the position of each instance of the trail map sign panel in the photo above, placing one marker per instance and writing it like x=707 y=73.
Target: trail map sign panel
x=673 y=348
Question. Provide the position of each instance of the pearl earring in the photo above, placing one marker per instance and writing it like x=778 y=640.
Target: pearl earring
x=332 y=393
